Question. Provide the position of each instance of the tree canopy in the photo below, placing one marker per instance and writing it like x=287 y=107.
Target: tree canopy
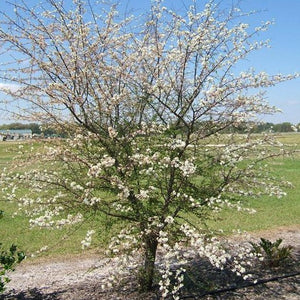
x=145 y=102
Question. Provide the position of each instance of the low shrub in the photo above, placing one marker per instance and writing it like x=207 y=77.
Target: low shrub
x=272 y=253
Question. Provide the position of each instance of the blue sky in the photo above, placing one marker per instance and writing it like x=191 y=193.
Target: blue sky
x=282 y=57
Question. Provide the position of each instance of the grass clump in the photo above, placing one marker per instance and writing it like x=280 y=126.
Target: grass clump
x=273 y=254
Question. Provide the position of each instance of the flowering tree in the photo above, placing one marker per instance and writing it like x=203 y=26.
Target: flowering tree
x=145 y=105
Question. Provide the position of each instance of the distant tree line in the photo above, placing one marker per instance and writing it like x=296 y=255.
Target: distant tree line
x=242 y=128
x=267 y=127
x=251 y=127
x=281 y=127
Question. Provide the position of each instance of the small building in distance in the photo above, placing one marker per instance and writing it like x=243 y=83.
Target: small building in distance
x=15 y=134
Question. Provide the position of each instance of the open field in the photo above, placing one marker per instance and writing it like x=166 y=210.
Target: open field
x=15 y=228
x=271 y=212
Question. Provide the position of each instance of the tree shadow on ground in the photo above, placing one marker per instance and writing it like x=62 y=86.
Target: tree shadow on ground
x=202 y=277
x=31 y=294
x=202 y=281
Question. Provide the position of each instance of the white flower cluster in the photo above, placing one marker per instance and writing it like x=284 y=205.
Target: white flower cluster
x=295 y=128
x=172 y=257
x=149 y=128
x=144 y=159
x=177 y=143
x=187 y=167
x=143 y=195
x=106 y=162
x=217 y=203
x=123 y=249
x=48 y=221
x=95 y=170
x=91 y=201
x=88 y=239
x=122 y=208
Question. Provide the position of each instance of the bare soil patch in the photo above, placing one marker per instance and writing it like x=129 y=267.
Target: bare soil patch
x=80 y=278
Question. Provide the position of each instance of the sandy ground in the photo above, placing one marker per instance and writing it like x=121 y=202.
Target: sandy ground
x=79 y=277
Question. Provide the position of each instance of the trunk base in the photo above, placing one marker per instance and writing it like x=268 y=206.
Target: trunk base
x=146 y=274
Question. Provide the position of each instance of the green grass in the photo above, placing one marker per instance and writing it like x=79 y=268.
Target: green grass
x=15 y=229
x=271 y=212
x=7 y=151
x=290 y=138
x=59 y=242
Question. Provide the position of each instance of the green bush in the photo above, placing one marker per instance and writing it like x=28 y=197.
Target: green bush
x=272 y=253
x=8 y=260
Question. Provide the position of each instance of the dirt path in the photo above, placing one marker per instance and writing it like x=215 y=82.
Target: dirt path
x=80 y=277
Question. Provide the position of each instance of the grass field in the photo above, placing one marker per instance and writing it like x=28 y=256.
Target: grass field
x=16 y=229
x=271 y=212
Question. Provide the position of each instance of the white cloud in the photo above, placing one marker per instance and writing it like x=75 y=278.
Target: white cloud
x=9 y=86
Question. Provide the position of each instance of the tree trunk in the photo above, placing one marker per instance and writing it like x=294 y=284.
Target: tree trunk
x=147 y=272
